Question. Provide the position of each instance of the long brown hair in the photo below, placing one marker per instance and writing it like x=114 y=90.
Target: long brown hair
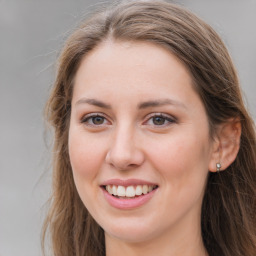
x=229 y=205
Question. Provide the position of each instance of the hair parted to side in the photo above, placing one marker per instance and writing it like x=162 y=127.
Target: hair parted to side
x=229 y=205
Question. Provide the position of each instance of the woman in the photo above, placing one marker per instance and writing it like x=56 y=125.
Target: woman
x=154 y=150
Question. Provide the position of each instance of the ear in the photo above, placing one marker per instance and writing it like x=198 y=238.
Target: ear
x=226 y=145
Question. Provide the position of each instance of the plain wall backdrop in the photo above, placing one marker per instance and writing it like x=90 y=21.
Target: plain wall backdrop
x=32 y=33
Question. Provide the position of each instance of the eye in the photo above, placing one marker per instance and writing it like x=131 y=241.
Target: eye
x=94 y=120
x=160 y=120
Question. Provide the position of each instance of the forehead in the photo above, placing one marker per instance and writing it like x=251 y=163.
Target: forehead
x=133 y=55
x=132 y=69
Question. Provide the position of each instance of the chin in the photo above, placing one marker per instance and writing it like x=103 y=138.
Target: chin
x=132 y=232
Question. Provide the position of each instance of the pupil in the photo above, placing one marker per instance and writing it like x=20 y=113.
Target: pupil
x=98 y=120
x=158 y=120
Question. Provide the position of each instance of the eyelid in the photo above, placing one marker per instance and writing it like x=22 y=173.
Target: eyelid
x=171 y=119
x=86 y=117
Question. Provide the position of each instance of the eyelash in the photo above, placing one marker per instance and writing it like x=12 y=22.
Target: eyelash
x=167 y=118
x=86 y=119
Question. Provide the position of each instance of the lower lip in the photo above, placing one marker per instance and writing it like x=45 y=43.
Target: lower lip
x=125 y=204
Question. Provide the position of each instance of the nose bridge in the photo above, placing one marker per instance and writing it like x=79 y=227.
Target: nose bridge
x=123 y=135
x=124 y=151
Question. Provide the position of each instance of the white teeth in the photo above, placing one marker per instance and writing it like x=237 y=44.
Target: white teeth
x=109 y=189
x=114 y=189
x=120 y=191
x=145 y=189
x=138 y=190
x=130 y=191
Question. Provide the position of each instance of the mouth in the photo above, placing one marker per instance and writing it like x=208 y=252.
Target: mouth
x=129 y=192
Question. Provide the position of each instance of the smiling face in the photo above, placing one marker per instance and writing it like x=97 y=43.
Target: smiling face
x=139 y=130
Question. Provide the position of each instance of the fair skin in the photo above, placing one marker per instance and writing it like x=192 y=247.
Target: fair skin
x=135 y=116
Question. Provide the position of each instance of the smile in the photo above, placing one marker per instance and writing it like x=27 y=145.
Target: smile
x=129 y=192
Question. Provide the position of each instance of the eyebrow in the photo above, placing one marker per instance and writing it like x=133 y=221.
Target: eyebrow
x=93 y=102
x=160 y=102
x=142 y=105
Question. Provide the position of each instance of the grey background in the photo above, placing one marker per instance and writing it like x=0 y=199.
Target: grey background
x=31 y=35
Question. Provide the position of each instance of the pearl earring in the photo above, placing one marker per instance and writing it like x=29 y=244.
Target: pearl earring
x=218 y=166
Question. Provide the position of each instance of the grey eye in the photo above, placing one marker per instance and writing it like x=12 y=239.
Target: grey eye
x=98 y=120
x=95 y=120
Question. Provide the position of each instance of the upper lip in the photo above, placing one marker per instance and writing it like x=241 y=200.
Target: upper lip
x=126 y=183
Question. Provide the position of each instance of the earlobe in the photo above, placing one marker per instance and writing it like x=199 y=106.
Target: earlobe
x=226 y=145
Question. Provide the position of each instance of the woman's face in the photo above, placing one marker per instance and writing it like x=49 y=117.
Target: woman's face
x=139 y=130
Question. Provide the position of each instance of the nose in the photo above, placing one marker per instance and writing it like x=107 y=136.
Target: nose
x=124 y=152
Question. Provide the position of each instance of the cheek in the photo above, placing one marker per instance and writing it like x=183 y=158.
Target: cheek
x=85 y=158
x=182 y=165
x=182 y=158
x=85 y=155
